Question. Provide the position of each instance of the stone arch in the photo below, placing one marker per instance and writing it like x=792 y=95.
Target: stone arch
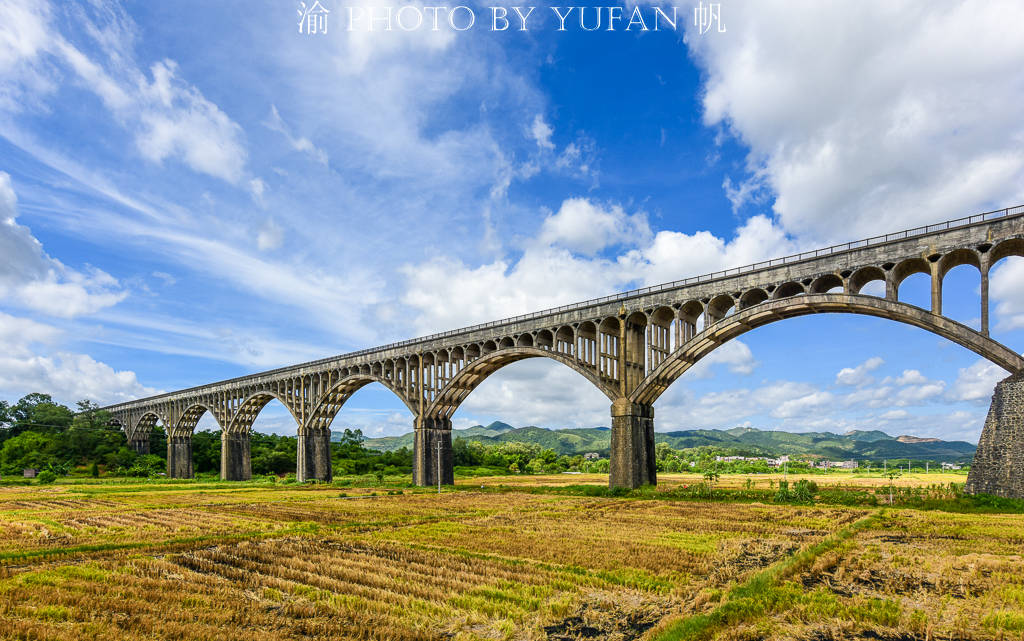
x=250 y=408
x=524 y=340
x=863 y=276
x=908 y=268
x=752 y=297
x=506 y=343
x=1010 y=247
x=565 y=340
x=190 y=418
x=718 y=308
x=488 y=347
x=462 y=384
x=824 y=283
x=956 y=258
x=713 y=337
x=331 y=402
x=787 y=289
x=545 y=339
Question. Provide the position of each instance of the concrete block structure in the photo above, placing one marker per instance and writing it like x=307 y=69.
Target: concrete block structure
x=631 y=346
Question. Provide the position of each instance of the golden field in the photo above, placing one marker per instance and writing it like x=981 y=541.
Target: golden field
x=263 y=561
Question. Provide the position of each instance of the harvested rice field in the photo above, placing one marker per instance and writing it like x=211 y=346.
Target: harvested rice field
x=194 y=561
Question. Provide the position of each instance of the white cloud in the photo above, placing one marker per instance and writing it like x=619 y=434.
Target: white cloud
x=895 y=415
x=168 y=117
x=735 y=354
x=542 y=132
x=270 y=236
x=1006 y=291
x=32 y=279
x=977 y=382
x=859 y=376
x=69 y=377
x=900 y=113
x=298 y=143
x=585 y=227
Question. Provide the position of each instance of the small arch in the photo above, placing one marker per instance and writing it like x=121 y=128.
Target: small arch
x=718 y=308
x=1010 y=247
x=826 y=283
x=752 y=297
x=506 y=343
x=785 y=290
x=610 y=326
x=524 y=340
x=956 y=258
x=908 y=268
x=565 y=340
x=472 y=351
x=488 y=347
x=249 y=409
x=545 y=339
x=863 y=276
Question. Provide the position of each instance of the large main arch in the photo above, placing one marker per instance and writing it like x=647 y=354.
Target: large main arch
x=433 y=434
x=735 y=325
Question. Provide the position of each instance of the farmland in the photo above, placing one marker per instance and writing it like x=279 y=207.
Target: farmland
x=211 y=560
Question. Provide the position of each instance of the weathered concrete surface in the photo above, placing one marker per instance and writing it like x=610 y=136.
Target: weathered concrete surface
x=632 y=454
x=631 y=345
x=314 y=458
x=428 y=435
x=179 y=457
x=140 y=444
x=235 y=461
x=998 y=466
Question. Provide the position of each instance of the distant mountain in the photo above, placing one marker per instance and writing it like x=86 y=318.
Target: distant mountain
x=856 y=444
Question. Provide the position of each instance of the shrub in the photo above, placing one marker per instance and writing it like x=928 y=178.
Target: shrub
x=46 y=477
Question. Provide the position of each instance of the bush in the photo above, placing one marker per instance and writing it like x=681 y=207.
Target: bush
x=46 y=477
x=94 y=470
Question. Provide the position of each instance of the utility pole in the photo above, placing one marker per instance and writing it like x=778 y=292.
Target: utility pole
x=438 y=466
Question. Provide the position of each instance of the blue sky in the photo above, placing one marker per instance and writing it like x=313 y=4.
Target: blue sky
x=191 y=191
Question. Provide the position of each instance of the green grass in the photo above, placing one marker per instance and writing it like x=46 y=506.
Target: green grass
x=766 y=593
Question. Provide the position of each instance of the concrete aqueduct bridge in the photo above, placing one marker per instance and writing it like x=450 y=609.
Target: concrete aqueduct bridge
x=631 y=346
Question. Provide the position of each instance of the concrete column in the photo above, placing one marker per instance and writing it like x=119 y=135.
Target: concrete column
x=140 y=443
x=235 y=460
x=632 y=457
x=179 y=457
x=314 y=456
x=984 y=294
x=936 y=290
x=429 y=433
x=998 y=466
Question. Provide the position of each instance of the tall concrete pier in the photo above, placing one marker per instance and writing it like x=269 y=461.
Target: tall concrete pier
x=630 y=346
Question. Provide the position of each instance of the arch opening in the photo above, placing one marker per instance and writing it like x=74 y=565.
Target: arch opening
x=689 y=354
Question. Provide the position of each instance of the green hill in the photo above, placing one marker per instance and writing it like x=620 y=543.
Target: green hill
x=747 y=441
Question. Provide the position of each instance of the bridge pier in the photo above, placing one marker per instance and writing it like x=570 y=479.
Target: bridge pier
x=140 y=444
x=430 y=434
x=998 y=466
x=235 y=460
x=632 y=456
x=314 y=456
x=179 y=457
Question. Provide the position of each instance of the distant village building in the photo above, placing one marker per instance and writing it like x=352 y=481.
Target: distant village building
x=30 y=472
x=951 y=466
x=591 y=456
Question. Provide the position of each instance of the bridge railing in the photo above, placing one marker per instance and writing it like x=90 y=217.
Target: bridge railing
x=643 y=291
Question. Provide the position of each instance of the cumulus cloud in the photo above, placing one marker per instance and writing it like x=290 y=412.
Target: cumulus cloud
x=1006 y=289
x=585 y=227
x=32 y=279
x=900 y=114
x=977 y=382
x=859 y=375
x=28 y=365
